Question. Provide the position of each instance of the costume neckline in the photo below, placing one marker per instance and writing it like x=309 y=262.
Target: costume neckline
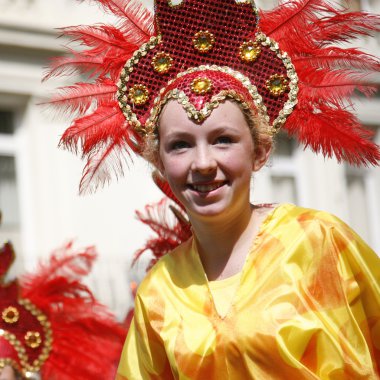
x=255 y=242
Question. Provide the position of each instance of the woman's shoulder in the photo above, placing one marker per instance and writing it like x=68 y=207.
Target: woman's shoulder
x=304 y=215
x=162 y=272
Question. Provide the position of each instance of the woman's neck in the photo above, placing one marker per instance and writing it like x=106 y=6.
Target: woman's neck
x=223 y=242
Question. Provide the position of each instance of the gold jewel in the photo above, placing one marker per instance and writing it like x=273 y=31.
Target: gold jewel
x=277 y=84
x=33 y=339
x=201 y=85
x=203 y=41
x=10 y=315
x=138 y=94
x=249 y=51
x=162 y=62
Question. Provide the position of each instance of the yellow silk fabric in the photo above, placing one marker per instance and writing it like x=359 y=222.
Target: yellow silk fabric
x=307 y=307
x=223 y=292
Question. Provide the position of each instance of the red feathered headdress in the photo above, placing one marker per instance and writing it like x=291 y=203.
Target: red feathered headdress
x=51 y=324
x=286 y=64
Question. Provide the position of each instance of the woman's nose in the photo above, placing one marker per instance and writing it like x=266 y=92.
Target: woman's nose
x=204 y=161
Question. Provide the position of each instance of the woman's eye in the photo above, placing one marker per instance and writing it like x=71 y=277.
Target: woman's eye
x=178 y=145
x=223 y=140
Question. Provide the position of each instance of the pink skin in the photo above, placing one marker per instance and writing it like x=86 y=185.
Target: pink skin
x=209 y=168
x=219 y=153
x=7 y=373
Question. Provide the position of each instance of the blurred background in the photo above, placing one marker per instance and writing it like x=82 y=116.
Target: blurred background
x=39 y=197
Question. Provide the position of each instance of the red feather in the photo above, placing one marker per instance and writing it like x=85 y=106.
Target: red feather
x=170 y=233
x=83 y=329
x=78 y=63
x=335 y=58
x=80 y=97
x=104 y=163
x=335 y=131
x=137 y=21
x=94 y=129
x=162 y=184
x=100 y=37
x=333 y=86
x=291 y=17
x=328 y=75
x=114 y=46
x=344 y=27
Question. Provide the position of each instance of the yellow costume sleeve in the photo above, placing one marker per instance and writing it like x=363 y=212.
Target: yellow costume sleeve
x=143 y=355
x=336 y=334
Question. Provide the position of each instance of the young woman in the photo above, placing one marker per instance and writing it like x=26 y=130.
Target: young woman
x=258 y=292
x=271 y=292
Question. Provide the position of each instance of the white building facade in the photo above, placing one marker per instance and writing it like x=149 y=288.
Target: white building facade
x=39 y=183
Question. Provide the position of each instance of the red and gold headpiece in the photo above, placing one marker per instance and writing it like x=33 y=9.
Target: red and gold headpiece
x=204 y=52
x=284 y=64
x=50 y=324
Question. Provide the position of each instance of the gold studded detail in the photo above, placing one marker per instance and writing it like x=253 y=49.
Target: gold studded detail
x=162 y=62
x=201 y=85
x=249 y=51
x=138 y=94
x=10 y=315
x=203 y=41
x=33 y=339
x=277 y=84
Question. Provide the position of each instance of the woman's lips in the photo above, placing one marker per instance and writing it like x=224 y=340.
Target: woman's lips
x=206 y=188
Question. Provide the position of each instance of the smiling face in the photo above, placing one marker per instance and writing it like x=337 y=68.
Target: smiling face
x=209 y=166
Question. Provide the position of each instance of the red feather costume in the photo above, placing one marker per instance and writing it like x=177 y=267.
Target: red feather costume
x=52 y=325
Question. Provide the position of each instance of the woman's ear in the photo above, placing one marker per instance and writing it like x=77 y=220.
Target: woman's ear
x=262 y=153
x=158 y=162
x=160 y=167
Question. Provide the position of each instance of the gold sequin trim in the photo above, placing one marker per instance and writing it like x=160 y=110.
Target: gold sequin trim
x=203 y=41
x=122 y=95
x=10 y=315
x=206 y=110
x=289 y=105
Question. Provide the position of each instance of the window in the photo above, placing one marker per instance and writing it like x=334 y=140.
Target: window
x=355 y=5
x=9 y=203
x=283 y=174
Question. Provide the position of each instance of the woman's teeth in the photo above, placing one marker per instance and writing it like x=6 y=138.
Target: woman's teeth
x=207 y=188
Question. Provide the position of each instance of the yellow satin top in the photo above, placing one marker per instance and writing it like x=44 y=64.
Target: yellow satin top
x=223 y=293
x=307 y=307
